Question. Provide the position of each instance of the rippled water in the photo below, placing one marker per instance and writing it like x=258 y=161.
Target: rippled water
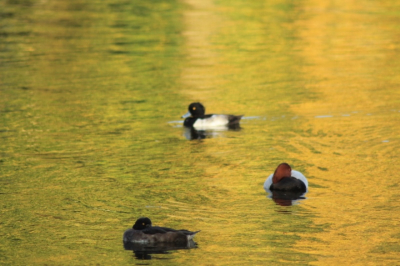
x=91 y=136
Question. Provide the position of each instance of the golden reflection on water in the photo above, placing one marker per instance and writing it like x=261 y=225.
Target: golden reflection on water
x=345 y=128
x=349 y=50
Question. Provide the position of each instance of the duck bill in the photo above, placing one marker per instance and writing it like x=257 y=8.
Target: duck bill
x=186 y=115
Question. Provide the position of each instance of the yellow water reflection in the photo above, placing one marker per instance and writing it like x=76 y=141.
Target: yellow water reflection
x=340 y=91
x=349 y=51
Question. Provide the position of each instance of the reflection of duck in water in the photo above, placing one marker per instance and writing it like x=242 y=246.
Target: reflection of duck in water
x=143 y=232
x=145 y=251
x=191 y=133
x=197 y=118
x=286 y=185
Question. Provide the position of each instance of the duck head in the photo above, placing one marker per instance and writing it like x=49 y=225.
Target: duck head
x=283 y=170
x=195 y=110
x=142 y=223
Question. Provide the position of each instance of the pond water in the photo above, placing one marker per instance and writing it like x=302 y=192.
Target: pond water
x=91 y=136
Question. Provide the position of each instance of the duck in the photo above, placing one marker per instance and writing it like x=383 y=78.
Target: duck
x=284 y=179
x=142 y=232
x=197 y=118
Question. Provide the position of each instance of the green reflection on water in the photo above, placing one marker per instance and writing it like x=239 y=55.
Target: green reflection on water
x=80 y=124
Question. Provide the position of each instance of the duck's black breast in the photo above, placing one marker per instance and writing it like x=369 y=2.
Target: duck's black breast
x=136 y=236
x=289 y=184
x=189 y=122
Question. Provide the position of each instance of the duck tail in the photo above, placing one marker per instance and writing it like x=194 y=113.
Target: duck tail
x=234 y=119
x=191 y=236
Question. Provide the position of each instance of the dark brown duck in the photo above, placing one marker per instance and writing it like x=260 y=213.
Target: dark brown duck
x=144 y=233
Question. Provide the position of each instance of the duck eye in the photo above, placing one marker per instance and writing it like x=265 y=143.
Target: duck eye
x=143 y=223
x=194 y=108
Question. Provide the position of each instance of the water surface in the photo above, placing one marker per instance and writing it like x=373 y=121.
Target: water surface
x=90 y=96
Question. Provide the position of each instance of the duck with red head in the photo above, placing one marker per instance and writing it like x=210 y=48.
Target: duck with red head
x=286 y=179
